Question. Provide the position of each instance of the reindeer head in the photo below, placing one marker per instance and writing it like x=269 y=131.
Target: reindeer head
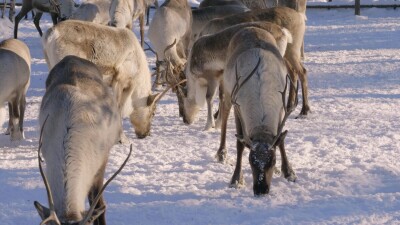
x=49 y=215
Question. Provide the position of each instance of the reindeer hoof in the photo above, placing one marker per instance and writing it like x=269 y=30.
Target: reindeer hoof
x=290 y=175
x=208 y=127
x=236 y=184
x=277 y=171
x=304 y=112
x=221 y=156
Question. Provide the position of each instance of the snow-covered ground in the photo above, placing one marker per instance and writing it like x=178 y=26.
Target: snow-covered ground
x=346 y=153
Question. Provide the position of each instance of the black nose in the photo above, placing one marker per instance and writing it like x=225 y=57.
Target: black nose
x=260 y=189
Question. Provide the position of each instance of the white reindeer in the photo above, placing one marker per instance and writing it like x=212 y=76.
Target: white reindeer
x=287 y=18
x=206 y=65
x=15 y=70
x=123 y=12
x=61 y=9
x=80 y=123
x=120 y=58
x=96 y=11
x=254 y=83
x=169 y=33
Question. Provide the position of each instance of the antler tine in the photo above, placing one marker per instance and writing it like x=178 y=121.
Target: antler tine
x=287 y=111
x=94 y=203
x=52 y=216
x=166 y=90
x=169 y=46
x=149 y=48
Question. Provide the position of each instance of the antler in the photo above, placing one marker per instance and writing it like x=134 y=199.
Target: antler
x=245 y=138
x=53 y=215
x=88 y=216
x=288 y=111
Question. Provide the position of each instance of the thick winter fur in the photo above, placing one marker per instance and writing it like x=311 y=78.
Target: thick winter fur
x=257 y=102
x=171 y=21
x=96 y=11
x=83 y=123
x=288 y=18
x=123 y=12
x=203 y=15
x=120 y=58
x=66 y=8
x=15 y=70
x=207 y=62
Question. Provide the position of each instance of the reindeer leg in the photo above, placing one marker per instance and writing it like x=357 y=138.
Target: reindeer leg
x=211 y=89
x=22 y=105
x=304 y=90
x=225 y=110
x=24 y=10
x=8 y=131
x=141 y=22
x=292 y=90
x=36 y=21
x=15 y=134
x=237 y=177
x=287 y=170
x=217 y=115
x=147 y=15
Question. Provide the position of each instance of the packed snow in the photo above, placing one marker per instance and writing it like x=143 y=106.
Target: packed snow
x=345 y=153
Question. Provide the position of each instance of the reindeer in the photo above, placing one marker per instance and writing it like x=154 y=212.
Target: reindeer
x=254 y=83
x=123 y=12
x=287 y=18
x=15 y=70
x=203 y=15
x=96 y=11
x=120 y=58
x=11 y=12
x=80 y=123
x=62 y=10
x=206 y=65
x=169 y=33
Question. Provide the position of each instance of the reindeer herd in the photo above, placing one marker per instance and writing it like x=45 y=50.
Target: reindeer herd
x=99 y=74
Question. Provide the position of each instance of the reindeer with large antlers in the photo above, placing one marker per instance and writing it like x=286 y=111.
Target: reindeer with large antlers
x=80 y=122
x=120 y=58
x=254 y=83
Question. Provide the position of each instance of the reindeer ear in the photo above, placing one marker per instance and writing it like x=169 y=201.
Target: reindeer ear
x=281 y=138
x=152 y=98
x=44 y=212
x=96 y=213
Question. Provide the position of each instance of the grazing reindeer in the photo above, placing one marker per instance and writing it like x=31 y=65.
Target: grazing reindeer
x=123 y=12
x=96 y=11
x=80 y=123
x=207 y=3
x=206 y=65
x=62 y=10
x=120 y=58
x=203 y=15
x=15 y=70
x=287 y=18
x=169 y=33
x=254 y=83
